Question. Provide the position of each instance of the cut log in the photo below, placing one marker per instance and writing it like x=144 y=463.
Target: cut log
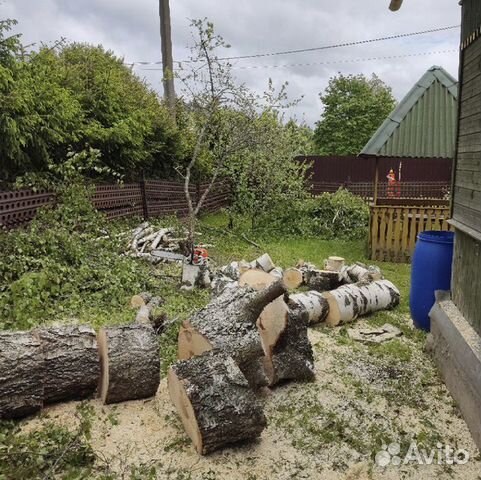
x=277 y=272
x=334 y=264
x=140 y=300
x=195 y=276
x=264 y=262
x=283 y=331
x=316 y=279
x=348 y=302
x=291 y=356
x=360 y=273
x=146 y=312
x=228 y=324
x=21 y=374
x=292 y=277
x=160 y=236
x=71 y=362
x=129 y=361
x=214 y=402
x=315 y=304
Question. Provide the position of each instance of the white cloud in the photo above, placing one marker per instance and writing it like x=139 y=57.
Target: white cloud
x=131 y=30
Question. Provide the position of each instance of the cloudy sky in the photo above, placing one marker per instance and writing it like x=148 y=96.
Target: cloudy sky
x=131 y=30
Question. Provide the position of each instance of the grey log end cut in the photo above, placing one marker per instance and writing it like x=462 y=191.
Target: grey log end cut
x=129 y=361
x=21 y=374
x=71 y=362
x=214 y=401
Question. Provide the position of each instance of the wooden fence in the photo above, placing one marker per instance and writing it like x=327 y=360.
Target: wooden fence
x=394 y=229
x=152 y=198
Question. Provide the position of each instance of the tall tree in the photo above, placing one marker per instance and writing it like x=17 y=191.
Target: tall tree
x=354 y=107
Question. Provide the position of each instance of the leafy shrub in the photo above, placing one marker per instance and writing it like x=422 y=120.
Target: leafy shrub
x=48 y=451
x=330 y=215
x=65 y=263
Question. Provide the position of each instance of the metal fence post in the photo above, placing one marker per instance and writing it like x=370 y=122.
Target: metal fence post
x=143 y=193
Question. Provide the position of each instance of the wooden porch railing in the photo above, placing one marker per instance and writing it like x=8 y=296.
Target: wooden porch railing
x=393 y=230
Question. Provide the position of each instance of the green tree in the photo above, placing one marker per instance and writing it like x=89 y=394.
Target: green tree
x=354 y=107
x=68 y=97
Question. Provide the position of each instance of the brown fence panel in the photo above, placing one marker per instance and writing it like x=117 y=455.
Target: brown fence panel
x=19 y=207
x=152 y=198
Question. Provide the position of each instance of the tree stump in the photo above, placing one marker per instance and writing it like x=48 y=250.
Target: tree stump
x=348 y=302
x=129 y=362
x=214 y=401
x=71 y=362
x=21 y=374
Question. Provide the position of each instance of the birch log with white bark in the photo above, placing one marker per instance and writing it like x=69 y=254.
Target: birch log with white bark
x=21 y=374
x=348 y=302
x=315 y=304
x=360 y=273
x=214 y=401
x=71 y=362
x=129 y=361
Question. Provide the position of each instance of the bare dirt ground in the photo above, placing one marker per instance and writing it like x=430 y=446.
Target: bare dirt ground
x=364 y=398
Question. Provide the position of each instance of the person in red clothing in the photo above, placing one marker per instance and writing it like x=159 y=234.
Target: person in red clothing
x=391 y=184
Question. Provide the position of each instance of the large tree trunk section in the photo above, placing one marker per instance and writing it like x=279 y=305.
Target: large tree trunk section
x=71 y=362
x=21 y=374
x=214 y=402
x=314 y=303
x=228 y=324
x=129 y=361
x=351 y=301
x=291 y=357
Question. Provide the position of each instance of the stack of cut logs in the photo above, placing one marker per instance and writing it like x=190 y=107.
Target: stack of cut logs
x=253 y=334
x=71 y=362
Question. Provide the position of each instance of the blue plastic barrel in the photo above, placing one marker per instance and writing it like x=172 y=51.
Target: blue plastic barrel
x=431 y=271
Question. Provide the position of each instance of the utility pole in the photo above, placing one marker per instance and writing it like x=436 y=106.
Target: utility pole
x=167 y=60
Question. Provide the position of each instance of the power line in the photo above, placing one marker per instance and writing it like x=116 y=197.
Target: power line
x=350 y=60
x=324 y=47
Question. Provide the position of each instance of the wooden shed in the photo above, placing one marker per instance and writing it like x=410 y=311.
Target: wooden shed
x=422 y=126
x=456 y=318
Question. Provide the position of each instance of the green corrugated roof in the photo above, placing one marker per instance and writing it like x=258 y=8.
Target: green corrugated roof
x=424 y=122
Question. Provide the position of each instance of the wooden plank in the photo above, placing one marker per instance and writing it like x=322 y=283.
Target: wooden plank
x=389 y=233
x=469 y=161
x=405 y=233
x=472 y=53
x=467 y=278
x=397 y=233
x=374 y=232
x=468 y=216
x=468 y=180
x=469 y=107
x=470 y=125
x=413 y=221
x=468 y=198
x=382 y=232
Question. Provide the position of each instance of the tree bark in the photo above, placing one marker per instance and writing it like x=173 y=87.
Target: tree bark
x=319 y=280
x=21 y=374
x=316 y=305
x=291 y=357
x=71 y=362
x=351 y=301
x=129 y=361
x=228 y=324
x=360 y=273
x=214 y=401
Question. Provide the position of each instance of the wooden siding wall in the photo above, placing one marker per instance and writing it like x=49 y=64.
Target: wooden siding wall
x=466 y=205
x=467 y=179
x=394 y=230
x=467 y=278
